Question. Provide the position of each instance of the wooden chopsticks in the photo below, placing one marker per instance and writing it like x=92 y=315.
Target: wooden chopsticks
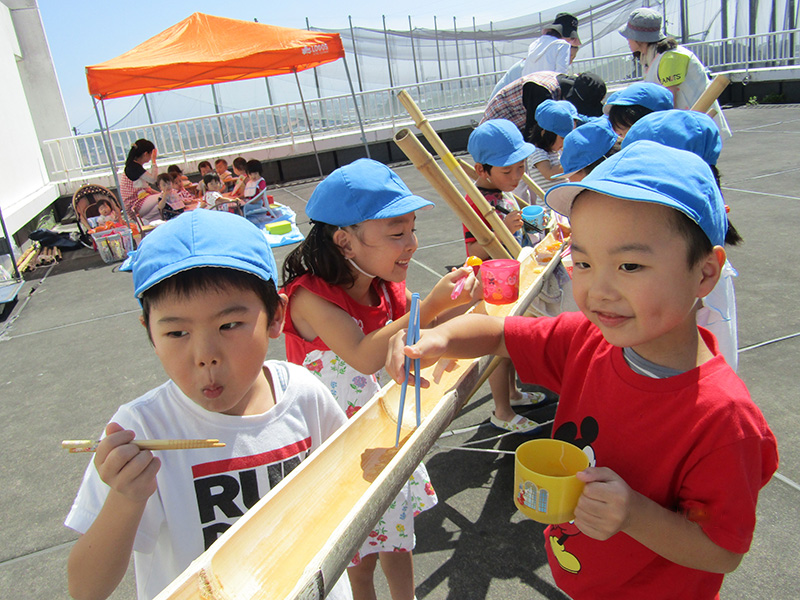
x=91 y=445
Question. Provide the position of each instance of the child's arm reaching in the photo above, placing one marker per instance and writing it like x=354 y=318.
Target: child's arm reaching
x=314 y=316
x=608 y=505
x=100 y=557
x=467 y=336
x=547 y=170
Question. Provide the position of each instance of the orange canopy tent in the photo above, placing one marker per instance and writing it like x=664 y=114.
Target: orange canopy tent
x=204 y=49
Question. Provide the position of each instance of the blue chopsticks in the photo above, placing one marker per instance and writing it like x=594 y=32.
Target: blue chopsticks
x=411 y=338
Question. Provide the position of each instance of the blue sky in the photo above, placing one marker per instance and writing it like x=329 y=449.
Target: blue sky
x=93 y=31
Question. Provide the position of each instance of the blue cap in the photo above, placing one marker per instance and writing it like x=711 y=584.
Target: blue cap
x=557 y=116
x=645 y=171
x=498 y=143
x=362 y=191
x=683 y=129
x=650 y=95
x=200 y=238
x=586 y=144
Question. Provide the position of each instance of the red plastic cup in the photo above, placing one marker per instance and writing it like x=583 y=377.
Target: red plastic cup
x=500 y=279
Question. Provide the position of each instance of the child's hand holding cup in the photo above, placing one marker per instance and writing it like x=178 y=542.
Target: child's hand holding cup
x=545 y=486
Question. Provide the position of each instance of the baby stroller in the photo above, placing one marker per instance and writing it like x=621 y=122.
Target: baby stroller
x=84 y=203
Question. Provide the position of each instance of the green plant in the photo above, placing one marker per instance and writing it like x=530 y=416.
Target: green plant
x=753 y=101
x=773 y=99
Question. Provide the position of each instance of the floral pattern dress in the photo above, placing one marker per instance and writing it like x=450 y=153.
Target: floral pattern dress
x=394 y=531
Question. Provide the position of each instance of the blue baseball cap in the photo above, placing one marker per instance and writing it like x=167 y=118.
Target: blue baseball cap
x=362 y=191
x=586 y=144
x=200 y=238
x=498 y=143
x=646 y=171
x=684 y=129
x=557 y=116
x=650 y=95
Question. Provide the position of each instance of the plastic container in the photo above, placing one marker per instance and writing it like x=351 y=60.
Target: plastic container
x=533 y=220
x=113 y=244
x=500 y=279
x=545 y=487
x=279 y=227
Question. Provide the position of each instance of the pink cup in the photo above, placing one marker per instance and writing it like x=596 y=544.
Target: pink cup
x=500 y=279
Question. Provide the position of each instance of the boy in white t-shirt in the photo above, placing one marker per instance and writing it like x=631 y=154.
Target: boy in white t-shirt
x=207 y=283
x=213 y=196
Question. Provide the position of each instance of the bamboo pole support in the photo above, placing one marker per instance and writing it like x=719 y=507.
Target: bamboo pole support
x=712 y=92
x=32 y=256
x=23 y=257
x=472 y=174
x=533 y=186
x=468 y=169
x=299 y=538
x=426 y=165
x=486 y=209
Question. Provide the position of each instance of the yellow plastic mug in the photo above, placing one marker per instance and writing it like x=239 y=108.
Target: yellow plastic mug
x=545 y=487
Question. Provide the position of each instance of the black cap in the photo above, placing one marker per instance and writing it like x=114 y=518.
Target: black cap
x=587 y=94
x=565 y=24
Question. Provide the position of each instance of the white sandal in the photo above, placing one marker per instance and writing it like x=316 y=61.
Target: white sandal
x=528 y=399
x=518 y=424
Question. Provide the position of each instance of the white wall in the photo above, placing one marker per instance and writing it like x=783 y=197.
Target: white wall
x=26 y=188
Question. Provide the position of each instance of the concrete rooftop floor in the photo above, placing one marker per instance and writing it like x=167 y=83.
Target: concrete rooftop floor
x=72 y=350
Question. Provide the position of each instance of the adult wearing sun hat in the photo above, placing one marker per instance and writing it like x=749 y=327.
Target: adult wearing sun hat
x=556 y=48
x=667 y=63
x=553 y=51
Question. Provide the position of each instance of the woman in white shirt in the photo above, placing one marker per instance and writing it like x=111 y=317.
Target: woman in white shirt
x=669 y=64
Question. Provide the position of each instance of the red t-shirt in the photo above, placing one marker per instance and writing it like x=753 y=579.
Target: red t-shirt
x=369 y=318
x=695 y=443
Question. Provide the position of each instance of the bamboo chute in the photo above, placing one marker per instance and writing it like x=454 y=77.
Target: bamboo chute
x=426 y=165
x=711 y=93
x=298 y=539
x=483 y=206
x=533 y=186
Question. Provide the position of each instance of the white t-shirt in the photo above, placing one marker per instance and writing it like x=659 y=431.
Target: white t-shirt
x=718 y=315
x=547 y=53
x=202 y=492
x=212 y=198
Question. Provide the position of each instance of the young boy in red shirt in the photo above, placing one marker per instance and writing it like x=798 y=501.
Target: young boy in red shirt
x=678 y=451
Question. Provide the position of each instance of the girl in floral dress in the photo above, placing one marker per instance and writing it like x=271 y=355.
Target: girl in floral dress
x=347 y=297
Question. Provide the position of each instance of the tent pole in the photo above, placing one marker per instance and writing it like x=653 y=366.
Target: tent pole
x=355 y=103
x=308 y=123
x=355 y=53
x=110 y=153
x=316 y=75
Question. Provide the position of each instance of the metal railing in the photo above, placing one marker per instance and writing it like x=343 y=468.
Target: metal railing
x=189 y=139
x=178 y=141
x=743 y=53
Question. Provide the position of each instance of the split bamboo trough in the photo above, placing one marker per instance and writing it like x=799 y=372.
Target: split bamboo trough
x=298 y=540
